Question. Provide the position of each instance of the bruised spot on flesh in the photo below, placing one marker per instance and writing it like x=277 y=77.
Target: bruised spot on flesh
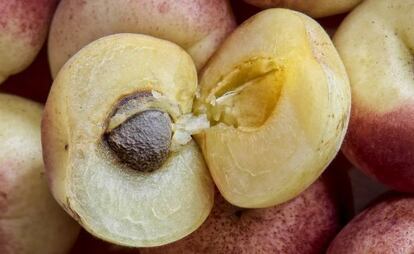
x=31 y=18
x=382 y=145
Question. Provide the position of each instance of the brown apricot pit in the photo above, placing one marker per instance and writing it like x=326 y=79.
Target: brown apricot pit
x=142 y=141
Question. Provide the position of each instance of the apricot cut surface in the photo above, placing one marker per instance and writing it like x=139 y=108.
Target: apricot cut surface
x=278 y=106
x=109 y=198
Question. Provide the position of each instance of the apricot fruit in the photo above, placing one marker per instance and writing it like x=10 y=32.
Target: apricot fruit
x=23 y=30
x=198 y=26
x=376 y=43
x=278 y=108
x=314 y=8
x=384 y=228
x=31 y=222
x=121 y=193
x=305 y=224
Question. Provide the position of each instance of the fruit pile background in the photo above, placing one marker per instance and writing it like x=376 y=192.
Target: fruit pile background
x=34 y=83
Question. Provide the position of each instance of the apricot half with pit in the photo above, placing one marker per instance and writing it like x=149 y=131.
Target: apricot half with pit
x=278 y=107
x=118 y=153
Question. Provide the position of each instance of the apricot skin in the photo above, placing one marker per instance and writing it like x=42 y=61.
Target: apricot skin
x=386 y=227
x=381 y=145
x=31 y=222
x=375 y=42
x=198 y=26
x=304 y=225
x=314 y=8
x=23 y=30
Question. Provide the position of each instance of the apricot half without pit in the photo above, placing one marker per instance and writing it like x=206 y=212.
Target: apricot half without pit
x=278 y=108
x=117 y=148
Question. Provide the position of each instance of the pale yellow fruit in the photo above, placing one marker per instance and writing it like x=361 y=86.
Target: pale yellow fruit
x=23 y=30
x=109 y=199
x=279 y=108
x=198 y=26
x=314 y=8
x=31 y=222
x=376 y=43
